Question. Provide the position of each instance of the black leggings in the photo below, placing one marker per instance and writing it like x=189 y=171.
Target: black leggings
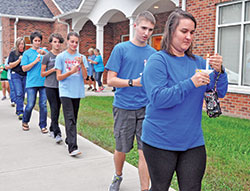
x=189 y=166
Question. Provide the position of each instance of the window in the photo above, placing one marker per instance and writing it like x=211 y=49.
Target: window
x=156 y=41
x=233 y=40
x=27 y=42
x=124 y=38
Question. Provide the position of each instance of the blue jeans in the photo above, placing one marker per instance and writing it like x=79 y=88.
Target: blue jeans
x=98 y=78
x=12 y=91
x=19 y=82
x=31 y=100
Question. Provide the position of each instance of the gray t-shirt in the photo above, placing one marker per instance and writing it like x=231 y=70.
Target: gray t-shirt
x=49 y=60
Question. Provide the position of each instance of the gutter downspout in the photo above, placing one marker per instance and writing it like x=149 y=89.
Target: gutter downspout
x=15 y=29
x=183 y=5
x=65 y=23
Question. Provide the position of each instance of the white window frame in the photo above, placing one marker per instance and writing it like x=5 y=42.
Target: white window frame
x=123 y=36
x=234 y=88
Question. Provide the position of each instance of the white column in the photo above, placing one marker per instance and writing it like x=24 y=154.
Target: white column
x=99 y=37
x=131 y=26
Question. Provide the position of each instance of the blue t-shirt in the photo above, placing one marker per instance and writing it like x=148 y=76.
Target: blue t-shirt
x=173 y=115
x=72 y=86
x=34 y=78
x=98 y=67
x=127 y=60
x=91 y=66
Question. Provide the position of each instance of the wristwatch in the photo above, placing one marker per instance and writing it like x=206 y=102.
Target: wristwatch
x=222 y=69
x=130 y=82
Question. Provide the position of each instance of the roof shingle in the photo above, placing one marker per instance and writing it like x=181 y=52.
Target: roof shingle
x=33 y=8
x=67 y=5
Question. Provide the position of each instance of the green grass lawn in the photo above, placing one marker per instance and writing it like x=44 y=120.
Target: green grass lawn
x=227 y=144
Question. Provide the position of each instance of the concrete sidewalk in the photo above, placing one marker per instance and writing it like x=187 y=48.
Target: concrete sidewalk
x=32 y=161
x=106 y=92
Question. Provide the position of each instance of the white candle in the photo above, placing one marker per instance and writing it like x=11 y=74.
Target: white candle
x=207 y=62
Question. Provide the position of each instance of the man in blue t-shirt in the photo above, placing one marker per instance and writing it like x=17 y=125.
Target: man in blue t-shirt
x=125 y=66
x=31 y=63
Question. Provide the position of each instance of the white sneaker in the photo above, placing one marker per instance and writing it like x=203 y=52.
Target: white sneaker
x=58 y=139
x=75 y=153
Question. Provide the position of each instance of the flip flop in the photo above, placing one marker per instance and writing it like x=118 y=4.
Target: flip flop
x=25 y=127
x=44 y=130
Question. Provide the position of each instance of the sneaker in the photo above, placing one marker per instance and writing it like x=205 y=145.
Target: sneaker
x=115 y=186
x=12 y=104
x=98 y=91
x=20 y=116
x=58 y=139
x=52 y=134
x=89 y=88
x=4 y=97
x=94 y=90
x=75 y=153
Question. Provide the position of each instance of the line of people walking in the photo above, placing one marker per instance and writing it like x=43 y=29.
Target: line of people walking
x=53 y=75
x=158 y=98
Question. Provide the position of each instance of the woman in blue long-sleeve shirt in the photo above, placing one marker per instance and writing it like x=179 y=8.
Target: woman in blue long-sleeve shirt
x=172 y=133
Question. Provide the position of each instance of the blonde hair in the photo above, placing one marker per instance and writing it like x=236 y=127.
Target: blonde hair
x=91 y=50
x=18 y=42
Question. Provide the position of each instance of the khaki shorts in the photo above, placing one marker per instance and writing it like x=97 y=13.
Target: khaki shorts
x=127 y=125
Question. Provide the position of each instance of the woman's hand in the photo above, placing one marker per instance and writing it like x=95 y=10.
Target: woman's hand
x=200 y=79
x=74 y=69
x=41 y=51
x=215 y=62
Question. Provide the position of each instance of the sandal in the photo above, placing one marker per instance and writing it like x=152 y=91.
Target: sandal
x=25 y=127
x=44 y=130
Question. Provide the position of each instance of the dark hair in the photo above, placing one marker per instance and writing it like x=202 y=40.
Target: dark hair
x=97 y=50
x=72 y=34
x=170 y=27
x=57 y=36
x=145 y=15
x=18 y=42
x=34 y=35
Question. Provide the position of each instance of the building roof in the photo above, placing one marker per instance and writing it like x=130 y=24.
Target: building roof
x=67 y=6
x=33 y=8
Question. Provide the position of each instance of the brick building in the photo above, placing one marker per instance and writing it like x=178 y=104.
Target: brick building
x=223 y=27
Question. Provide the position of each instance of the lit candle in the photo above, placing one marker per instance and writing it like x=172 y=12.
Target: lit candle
x=207 y=62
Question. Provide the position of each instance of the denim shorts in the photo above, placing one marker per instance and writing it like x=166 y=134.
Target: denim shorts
x=127 y=126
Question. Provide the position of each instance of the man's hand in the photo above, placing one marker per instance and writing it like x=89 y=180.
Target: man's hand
x=137 y=82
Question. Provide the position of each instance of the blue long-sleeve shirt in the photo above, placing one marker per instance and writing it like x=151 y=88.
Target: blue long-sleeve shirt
x=173 y=115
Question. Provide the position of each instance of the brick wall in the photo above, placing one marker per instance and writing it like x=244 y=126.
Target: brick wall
x=87 y=38
x=25 y=27
x=6 y=33
x=237 y=105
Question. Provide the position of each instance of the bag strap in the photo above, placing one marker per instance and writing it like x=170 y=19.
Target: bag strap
x=216 y=80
